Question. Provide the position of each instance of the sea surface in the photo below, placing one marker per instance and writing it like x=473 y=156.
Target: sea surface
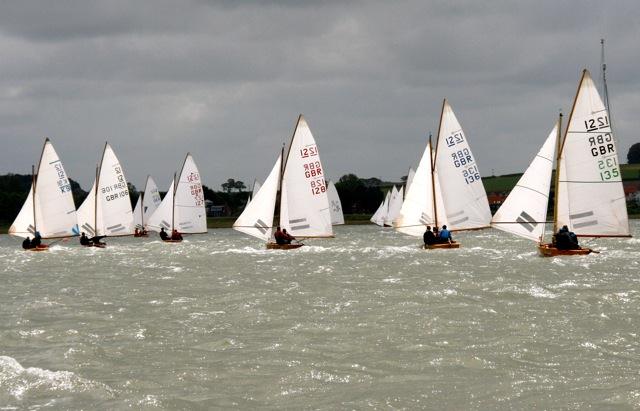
x=367 y=320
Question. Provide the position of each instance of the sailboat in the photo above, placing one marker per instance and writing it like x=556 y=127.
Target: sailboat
x=410 y=176
x=337 y=218
x=447 y=188
x=304 y=206
x=395 y=204
x=182 y=208
x=148 y=202
x=107 y=209
x=524 y=212
x=380 y=214
x=589 y=197
x=49 y=208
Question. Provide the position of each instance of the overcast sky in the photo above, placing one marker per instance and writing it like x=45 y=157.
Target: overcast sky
x=226 y=80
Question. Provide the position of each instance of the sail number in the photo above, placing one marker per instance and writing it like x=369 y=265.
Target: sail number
x=608 y=168
x=471 y=174
x=454 y=139
x=63 y=181
x=601 y=144
x=318 y=186
x=309 y=151
x=462 y=157
x=596 y=123
x=313 y=173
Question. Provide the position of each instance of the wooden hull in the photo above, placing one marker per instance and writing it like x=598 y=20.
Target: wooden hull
x=172 y=241
x=95 y=245
x=275 y=246
x=548 y=250
x=453 y=244
x=141 y=235
x=41 y=247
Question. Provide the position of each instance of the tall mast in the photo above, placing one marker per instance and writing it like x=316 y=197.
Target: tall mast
x=280 y=181
x=605 y=90
x=433 y=161
x=173 y=201
x=283 y=164
x=95 y=203
x=33 y=197
x=433 y=181
x=556 y=182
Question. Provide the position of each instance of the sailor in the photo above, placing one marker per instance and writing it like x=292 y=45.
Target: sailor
x=566 y=240
x=26 y=244
x=287 y=237
x=163 y=235
x=279 y=236
x=175 y=235
x=84 y=240
x=96 y=240
x=136 y=232
x=445 y=235
x=428 y=237
x=36 y=240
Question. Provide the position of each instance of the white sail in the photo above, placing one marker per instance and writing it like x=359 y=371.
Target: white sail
x=525 y=210
x=304 y=206
x=337 y=217
x=380 y=214
x=257 y=217
x=463 y=193
x=395 y=204
x=256 y=188
x=163 y=216
x=107 y=209
x=148 y=201
x=591 y=200
x=190 y=214
x=417 y=208
x=49 y=208
x=410 y=176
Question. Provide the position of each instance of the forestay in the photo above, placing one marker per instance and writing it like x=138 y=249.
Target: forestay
x=257 y=217
x=591 y=200
x=304 y=206
x=417 y=209
x=107 y=210
x=147 y=203
x=337 y=217
x=524 y=211
x=51 y=210
x=465 y=199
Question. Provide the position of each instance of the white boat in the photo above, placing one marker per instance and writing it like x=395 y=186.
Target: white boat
x=395 y=204
x=382 y=211
x=447 y=188
x=337 y=218
x=107 y=209
x=304 y=206
x=148 y=201
x=182 y=208
x=49 y=208
x=589 y=197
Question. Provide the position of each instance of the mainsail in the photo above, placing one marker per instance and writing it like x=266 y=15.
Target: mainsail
x=183 y=206
x=337 y=217
x=49 y=208
x=591 y=199
x=465 y=199
x=148 y=202
x=257 y=217
x=395 y=204
x=304 y=206
x=524 y=212
x=107 y=209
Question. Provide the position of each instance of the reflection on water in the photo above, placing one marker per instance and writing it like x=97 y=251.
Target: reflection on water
x=363 y=320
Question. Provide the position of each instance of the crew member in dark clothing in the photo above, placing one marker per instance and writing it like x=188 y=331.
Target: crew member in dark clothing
x=566 y=240
x=96 y=240
x=163 y=235
x=287 y=237
x=37 y=240
x=26 y=244
x=175 y=235
x=428 y=237
x=84 y=240
x=279 y=236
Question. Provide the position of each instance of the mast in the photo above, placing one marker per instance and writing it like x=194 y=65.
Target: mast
x=33 y=199
x=605 y=91
x=280 y=180
x=173 y=200
x=556 y=180
x=433 y=161
x=283 y=165
x=95 y=203
x=433 y=181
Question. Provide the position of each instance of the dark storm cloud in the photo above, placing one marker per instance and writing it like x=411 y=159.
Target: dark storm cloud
x=227 y=79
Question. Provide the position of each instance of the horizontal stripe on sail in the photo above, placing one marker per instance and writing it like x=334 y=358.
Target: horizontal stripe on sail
x=300 y=227
x=585 y=224
x=298 y=220
x=462 y=220
x=581 y=215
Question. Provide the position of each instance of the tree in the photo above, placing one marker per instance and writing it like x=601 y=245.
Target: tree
x=633 y=156
x=240 y=186
x=359 y=195
x=229 y=185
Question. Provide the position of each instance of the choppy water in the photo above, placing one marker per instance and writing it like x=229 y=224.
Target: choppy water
x=366 y=320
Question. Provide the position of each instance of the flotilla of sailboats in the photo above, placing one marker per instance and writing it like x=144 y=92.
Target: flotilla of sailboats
x=444 y=190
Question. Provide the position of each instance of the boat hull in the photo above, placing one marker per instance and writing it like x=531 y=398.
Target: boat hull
x=548 y=250
x=141 y=235
x=95 y=245
x=172 y=241
x=41 y=247
x=275 y=246
x=453 y=244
